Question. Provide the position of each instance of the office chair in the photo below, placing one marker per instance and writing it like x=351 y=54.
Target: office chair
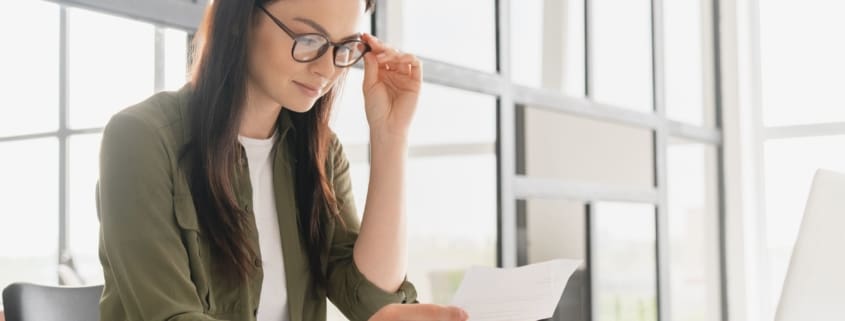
x=30 y=302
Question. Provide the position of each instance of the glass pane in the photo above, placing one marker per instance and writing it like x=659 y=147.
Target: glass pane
x=448 y=116
x=571 y=148
x=428 y=28
x=547 y=44
x=621 y=67
x=693 y=231
x=367 y=23
x=29 y=221
x=558 y=230
x=175 y=58
x=30 y=69
x=688 y=97
x=349 y=119
x=83 y=154
x=451 y=221
x=111 y=65
x=802 y=69
x=624 y=262
x=790 y=166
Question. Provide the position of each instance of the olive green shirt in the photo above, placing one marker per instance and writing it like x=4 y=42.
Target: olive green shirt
x=156 y=258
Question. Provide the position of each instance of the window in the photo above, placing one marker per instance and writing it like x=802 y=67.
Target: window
x=451 y=196
x=625 y=263
x=101 y=81
x=30 y=67
x=688 y=77
x=693 y=230
x=29 y=165
x=457 y=230
x=625 y=80
x=427 y=28
x=84 y=167
x=349 y=118
x=807 y=92
x=29 y=192
x=547 y=45
x=801 y=122
x=49 y=165
x=594 y=175
x=175 y=58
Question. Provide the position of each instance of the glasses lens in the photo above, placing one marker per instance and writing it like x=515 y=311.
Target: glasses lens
x=349 y=52
x=309 y=47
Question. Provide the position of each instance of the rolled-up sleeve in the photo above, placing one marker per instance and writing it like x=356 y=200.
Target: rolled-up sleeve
x=355 y=296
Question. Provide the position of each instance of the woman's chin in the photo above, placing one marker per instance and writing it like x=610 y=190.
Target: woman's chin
x=301 y=106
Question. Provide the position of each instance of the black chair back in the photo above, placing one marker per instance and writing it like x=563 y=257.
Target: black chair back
x=31 y=302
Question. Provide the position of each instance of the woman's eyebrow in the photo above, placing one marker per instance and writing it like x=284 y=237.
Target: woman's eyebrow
x=322 y=30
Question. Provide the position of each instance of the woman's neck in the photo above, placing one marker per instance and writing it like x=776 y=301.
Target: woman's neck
x=259 y=115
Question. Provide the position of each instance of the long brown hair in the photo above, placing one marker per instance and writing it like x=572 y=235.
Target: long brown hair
x=213 y=154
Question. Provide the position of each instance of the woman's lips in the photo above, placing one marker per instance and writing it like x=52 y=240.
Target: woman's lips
x=310 y=91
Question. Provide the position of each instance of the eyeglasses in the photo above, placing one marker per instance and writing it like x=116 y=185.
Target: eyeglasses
x=308 y=47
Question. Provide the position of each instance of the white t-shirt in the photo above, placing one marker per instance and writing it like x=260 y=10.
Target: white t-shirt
x=273 y=304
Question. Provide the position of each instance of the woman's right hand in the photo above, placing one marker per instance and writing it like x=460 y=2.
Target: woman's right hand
x=419 y=312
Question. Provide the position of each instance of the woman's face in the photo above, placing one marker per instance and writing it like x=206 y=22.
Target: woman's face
x=272 y=71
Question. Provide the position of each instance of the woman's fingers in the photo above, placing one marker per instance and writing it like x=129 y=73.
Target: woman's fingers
x=389 y=54
x=388 y=58
x=406 y=64
x=383 y=53
x=376 y=45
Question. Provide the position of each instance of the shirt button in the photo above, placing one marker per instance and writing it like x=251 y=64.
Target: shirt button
x=257 y=262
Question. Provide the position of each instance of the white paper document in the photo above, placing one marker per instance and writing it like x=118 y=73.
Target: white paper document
x=526 y=293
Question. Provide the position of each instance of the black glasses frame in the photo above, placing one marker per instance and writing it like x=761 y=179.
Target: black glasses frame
x=323 y=49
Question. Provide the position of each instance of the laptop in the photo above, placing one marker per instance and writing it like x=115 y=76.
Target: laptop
x=815 y=282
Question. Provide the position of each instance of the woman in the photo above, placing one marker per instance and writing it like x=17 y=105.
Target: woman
x=231 y=198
